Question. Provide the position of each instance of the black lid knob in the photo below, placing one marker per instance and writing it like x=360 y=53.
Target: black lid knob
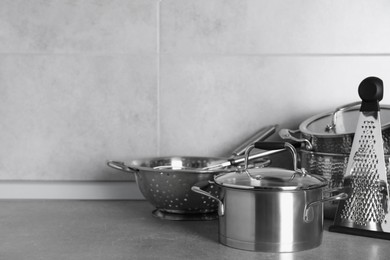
x=371 y=92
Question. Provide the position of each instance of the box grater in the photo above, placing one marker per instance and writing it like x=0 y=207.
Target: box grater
x=366 y=210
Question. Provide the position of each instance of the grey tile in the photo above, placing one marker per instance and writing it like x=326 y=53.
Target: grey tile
x=64 y=116
x=264 y=27
x=79 y=26
x=209 y=104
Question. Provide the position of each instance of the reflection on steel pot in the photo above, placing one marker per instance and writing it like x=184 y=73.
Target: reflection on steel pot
x=270 y=209
x=332 y=167
x=166 y=181
x=333 y=132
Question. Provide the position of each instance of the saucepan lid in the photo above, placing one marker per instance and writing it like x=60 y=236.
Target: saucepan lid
x=270 y=178
x=341 y=121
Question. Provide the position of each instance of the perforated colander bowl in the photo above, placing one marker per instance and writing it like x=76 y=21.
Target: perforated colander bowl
x=166 y=181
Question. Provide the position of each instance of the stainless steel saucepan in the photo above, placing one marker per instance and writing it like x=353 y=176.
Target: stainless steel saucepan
x=270 y=209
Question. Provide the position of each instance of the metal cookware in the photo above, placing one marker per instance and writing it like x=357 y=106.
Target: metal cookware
x=270 y=209
x=333 y=132
x=327 y=140
x=332 y=167
x=166 y=181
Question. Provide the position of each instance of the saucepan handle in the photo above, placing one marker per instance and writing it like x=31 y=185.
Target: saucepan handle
x=260 y=135
x=121 y=166
x=198 y=188
x=308 y=214
x=287 y=134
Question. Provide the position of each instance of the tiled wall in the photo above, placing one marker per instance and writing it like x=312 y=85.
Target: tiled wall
x=85 y=81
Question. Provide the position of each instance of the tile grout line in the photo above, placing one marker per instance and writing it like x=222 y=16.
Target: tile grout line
x=222 y=54
x=158 y=128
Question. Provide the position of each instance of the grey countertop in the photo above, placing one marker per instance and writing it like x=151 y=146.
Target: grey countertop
x=127 y=230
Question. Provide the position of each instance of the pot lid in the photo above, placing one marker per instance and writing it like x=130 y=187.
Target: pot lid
x=270 y=179
x=340 y=122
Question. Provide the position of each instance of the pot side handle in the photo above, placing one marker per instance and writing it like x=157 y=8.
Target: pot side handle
x=308 y=215
x=121 y=166
x=198 y=189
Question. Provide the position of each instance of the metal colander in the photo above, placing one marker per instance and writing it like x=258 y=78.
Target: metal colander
x=166 y=183
x=170 y=190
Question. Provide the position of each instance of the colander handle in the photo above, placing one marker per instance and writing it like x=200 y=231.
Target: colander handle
x=198 y=189
x=121 y=166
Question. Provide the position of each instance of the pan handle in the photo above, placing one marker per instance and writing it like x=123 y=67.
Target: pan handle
x=121 y=166
x=260 y=135
x=308 y=214
x=287 y=134
x=198 y=189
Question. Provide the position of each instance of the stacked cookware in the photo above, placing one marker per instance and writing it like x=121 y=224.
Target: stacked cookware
x=269 y=209
x=326 y=144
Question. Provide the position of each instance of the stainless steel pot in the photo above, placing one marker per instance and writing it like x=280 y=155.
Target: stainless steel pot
x=270 y=209
x=327 y=140
x=333 y=132
x=166 y=181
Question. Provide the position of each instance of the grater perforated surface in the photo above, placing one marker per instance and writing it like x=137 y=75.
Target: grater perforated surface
x=365 y=203
x=366 y=210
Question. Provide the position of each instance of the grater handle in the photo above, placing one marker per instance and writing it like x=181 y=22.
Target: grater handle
x=371 y=92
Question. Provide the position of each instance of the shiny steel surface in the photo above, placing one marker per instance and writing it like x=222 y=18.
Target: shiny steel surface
x=315 y=134
x=239 y=160
x=275 y=210
x=166 y=181
x=365 y=180
x=270 y=221
x=270 y=178
x=169 y=189
x=333 y=168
